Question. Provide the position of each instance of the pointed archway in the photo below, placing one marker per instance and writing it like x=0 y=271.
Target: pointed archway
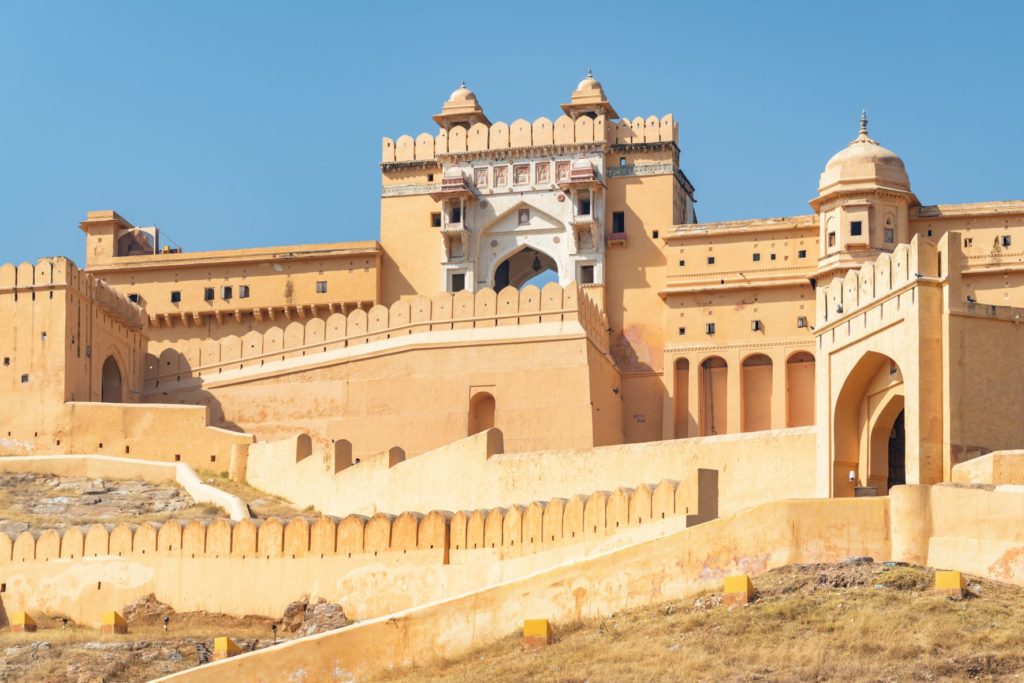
x=112 y=384
x=525 y=266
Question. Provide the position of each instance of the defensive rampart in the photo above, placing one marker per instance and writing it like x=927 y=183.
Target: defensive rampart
x=370 y=566
x=669 y=568
x=521 y=134
x=210 y=359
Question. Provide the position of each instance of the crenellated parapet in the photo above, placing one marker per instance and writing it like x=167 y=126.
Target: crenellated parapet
x=421 y=315
x=517 y=530
x=54 y=273
x=888 y=273
x=522 y=134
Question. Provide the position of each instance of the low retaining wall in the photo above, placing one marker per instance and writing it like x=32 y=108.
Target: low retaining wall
x=475 y=472
x=109 y=467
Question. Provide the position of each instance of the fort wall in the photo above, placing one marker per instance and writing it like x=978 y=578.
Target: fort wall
x=476 y=473
x=698 y=558
x=371 y=566
x=541 y=355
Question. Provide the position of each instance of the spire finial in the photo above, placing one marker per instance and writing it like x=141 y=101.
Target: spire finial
x=863 y=122
x=590 y=73
x=463 y=84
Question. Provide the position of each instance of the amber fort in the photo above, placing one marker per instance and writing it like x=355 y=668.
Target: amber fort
x=544 y=390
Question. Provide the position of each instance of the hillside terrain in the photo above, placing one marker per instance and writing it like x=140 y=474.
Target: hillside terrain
x=855 y=621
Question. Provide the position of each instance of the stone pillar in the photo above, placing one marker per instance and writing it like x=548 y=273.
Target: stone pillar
x=779 y=397
x=239 y=462
x=910 y=520
x=734 y=394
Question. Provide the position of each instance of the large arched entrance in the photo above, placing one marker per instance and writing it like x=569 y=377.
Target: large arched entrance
x=112 y=390
x=528 y=266
x=867 y=441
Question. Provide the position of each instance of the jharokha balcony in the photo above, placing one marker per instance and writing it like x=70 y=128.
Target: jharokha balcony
x=454 y=184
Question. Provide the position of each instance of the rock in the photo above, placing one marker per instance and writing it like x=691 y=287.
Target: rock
x=323 y=616
x=294 y=614
x=859 y=560
x=11 y=651
x=95 y=487
x=147 y=611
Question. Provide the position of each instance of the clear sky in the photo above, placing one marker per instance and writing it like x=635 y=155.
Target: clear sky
x=251 y=123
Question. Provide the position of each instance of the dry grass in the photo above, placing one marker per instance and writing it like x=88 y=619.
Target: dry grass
x=261 y=504
x=808 y=624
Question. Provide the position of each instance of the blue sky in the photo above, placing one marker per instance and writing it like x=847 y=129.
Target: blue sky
x=232 y=124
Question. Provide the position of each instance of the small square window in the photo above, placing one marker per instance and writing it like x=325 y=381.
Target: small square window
x=175 y=297
x=710 y=328
x=584 y=206
x=711 y=260
x=772 y=257
x=458 y=282
x=756 y=326
x=618 y=221
x=133 y=297
x=682 y=263
x=243 y=291
x=889 y=236
x=24 y=379
x=587 y=275
x=321 y=286
x=855 y=228
x=654 y=234
x=456 y=215
x=831 y=239
x=802 y=253
x=435 y=220
x=968 y=241
x=801 y=321
x=757 y=257
x=208 y=294
x=430 y=177
x=7 y=361
x=524 y=216
x=682 y=331
x=622 y=161
x=1006 y=240
x=929 y=233
x=226 y=293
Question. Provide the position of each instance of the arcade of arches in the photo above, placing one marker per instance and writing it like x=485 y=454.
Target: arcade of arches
x=712 y=395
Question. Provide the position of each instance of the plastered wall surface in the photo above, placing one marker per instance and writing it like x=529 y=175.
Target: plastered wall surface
x=476 y=473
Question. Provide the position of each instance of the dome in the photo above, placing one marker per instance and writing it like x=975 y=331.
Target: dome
x=462 y=94
x=864 y=160
x=590 y=86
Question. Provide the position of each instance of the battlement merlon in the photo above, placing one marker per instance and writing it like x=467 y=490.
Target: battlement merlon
x=501 y=137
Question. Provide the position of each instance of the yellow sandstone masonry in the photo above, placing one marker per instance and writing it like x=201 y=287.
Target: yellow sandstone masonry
x=112 y=622
x=536 y=633
x=224 y=647
x=951 y=583
x=738 y=590
x=21 y=622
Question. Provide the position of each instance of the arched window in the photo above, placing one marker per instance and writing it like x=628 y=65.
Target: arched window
x=112 y=389
x=481 y=413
